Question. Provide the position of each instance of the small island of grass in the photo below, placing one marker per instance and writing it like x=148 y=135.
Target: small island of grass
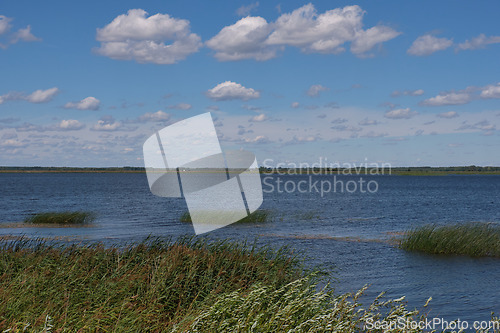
x=258 y=216
x=66 y=218
x=470 y=239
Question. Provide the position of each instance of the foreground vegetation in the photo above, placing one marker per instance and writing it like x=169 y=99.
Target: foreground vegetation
x=258 y=216
x=61 y=218
x=188 y=285
x=471 y=239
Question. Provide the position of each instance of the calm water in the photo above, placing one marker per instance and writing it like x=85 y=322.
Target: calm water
x=462 y=288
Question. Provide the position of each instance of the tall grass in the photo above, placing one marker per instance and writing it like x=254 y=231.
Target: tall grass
x=471 y=239
x=77 y=217
x=297 y=307
x=258 y=216
x=147 y=285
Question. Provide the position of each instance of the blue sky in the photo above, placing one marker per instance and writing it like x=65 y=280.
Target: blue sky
x=406 y=83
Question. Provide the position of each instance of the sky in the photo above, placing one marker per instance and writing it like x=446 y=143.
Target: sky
x=395 y=82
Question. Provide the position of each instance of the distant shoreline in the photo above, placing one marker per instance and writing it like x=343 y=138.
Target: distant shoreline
x=398 y=171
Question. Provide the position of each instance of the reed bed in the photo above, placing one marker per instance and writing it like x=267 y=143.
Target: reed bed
x=144 y=286
x=470 y=239
x=259 y=216
x=76 y=217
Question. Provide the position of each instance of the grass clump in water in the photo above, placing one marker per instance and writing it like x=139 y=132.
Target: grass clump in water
x=259 y=216
x=76 y=217
x=471 y=239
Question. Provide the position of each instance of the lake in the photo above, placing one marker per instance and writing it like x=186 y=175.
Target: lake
x=346 y=232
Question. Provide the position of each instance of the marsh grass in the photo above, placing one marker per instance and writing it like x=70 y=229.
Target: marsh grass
x=76 y=217
x=259 y=216
x=147 y=285
x=470 y=239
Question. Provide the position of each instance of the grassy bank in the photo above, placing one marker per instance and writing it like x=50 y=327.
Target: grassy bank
x=184 y=286
x=471 y=239
x=147 y=285
x=77 y=217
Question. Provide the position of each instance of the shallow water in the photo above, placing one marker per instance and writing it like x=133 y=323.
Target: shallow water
x=345 y=232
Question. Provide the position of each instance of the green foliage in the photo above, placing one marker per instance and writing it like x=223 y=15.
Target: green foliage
x=61 y=218
x=471 y=239
x=146 y=285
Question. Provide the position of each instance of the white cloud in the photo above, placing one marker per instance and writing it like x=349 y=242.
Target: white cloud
x=478 y=42
x=154 y=116
x=259 y=118
x=448 y=115
x=132 y=36
x=229 y=90
x=428 y=44
x=304 y=28
x=42 y=96
x=400 y=114
x=38 y=96
x=24 y=35
x=89 y=103
x=5 y=24
x=491 y=91
x=397 y=93
x=295 y=105
x=448 y=98
x=109 y=124
x=366 y=39
x=69 y=125
x=246 y=39
x=246 y=10
x=327 y=32
x=315 y=90
x=180 y=106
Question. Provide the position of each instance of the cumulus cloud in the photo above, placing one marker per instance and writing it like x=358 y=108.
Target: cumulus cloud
x=229 y=90
x=42 y=96
x=491 y=91
x=304 y=28
x=38 y=96
x=428 y=44
x=397 y=93
x=259 y=118
x=180 y=106
x=109 y=124
x=246 y=39
x=69 y=125
x=464 y=96
x=154 y=116
x=448 y=98
x=5 y=24
x=478 y=42
x=23 y=34
x=159 y=39
x=246 y=10
x=400 y=114
x=315 y=90
x=89 y=103
x=295 y=105
x=448 y=115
